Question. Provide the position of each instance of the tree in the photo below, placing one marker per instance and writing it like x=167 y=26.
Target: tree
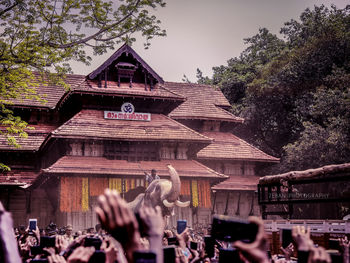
x=44 y=36
x=294 y=93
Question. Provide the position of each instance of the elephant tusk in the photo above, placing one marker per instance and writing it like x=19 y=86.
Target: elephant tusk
x=182 y=204
x=168 y=204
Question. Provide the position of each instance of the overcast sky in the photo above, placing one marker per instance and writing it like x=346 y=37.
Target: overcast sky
x=206 y=33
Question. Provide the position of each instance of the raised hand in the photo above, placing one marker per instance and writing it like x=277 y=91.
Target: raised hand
x=118 y=219
x=255 y=251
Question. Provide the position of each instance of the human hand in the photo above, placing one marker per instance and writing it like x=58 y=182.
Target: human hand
x=54 y=258
x=110 y=250
x=152 y=221
x=118 y=219
x=37 y=232
x=344 y=247
x=255 y=251
x=288 y=251
x=183 y=238
x=318 y=255
x=61 y=243
x=301 y=237
x=344 y=244
x=81 y=255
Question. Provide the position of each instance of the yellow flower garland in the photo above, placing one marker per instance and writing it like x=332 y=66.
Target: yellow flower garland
x=85 y=195
x=194 y=193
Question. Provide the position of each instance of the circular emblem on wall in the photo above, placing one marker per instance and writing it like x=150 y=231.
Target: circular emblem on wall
x=127 y=107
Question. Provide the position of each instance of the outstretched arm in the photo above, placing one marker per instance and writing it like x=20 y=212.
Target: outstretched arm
x=118 y=219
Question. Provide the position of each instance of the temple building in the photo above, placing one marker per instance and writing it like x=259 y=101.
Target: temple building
x=113 y=126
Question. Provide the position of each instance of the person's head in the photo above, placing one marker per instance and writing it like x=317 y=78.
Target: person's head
x=21 y=229
x=69 y=230
x=90 y=230
x=98 y=228
x=153 y=172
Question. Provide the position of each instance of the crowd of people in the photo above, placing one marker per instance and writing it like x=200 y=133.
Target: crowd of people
x=125 y=237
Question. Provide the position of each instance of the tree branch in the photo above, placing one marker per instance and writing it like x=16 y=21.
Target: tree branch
x=2 y=12
x=94 y=36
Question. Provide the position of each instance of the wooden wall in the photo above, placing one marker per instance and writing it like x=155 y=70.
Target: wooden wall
x=21 y=211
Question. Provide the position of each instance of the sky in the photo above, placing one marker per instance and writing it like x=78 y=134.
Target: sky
x=206 y=33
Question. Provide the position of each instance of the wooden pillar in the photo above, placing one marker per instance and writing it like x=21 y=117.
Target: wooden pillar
x=145 y=80
x=106 y=77
x=100 y=80
x=214 y=203
x=227 y=200
x=28 y=195
x=238 y=201
x=290 y=205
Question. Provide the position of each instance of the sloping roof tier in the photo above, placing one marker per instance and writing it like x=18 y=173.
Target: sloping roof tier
x=34 y=140
x=91 y=124
x=129 y=51
x=235 y=182
x=52 y=94
x=18 y=178
x=137 y=90
x=321 y=172
x=104 y=166
x=203 y=102
x=230 y=147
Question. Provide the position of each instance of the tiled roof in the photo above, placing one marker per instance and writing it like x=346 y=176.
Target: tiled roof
x=203 y=102
x=20 y=178
x=51 y=93
x=228 y=146
x=235 y=182
x=34 y=140
x=104 y=166
x=138 y=89
x=129 y=51
x=91 y=124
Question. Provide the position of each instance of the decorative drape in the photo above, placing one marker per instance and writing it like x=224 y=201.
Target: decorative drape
x=199 y=191
x=85 y=195
x=71 y=194
x=76 y=191
x=185 y=187
x=194 y=188
x=98 y=185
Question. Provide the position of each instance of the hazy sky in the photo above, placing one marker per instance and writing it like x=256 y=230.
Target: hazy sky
x=206 y=33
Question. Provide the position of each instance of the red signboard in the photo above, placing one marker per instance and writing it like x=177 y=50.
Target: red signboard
x=135 y=116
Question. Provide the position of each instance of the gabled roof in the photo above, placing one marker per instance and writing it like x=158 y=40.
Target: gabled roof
x=230 y=147
x=102 y=166
x=91 y=124
x=203 y=102
x=35 y=138
x=238 y=182
x=137 y=90
x=129 y=51
x=51 y=93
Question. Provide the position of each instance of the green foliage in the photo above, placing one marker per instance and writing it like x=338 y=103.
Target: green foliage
x=294 y=93
x=44 y=36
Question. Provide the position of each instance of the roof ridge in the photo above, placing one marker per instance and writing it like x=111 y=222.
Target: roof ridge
x=254 y=147
x=211 y=170
x=186 y=127
x=192 y=84
x=231 y=114
x=162 y=86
